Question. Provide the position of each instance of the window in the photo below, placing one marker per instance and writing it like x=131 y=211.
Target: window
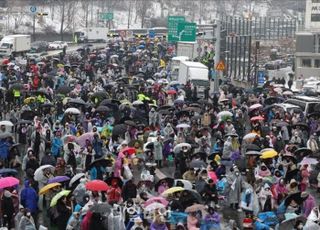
x=306 y=62
x=317 y=63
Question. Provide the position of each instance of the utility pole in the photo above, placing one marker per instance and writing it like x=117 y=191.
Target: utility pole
x=256 y=64
x=217 y=55
x=34 y=27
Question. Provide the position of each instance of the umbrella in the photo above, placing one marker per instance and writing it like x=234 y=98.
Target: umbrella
x=6 y=123
x=268 y=154
x=109 y=181
x=101 y=208
x=68 y=139
x=82 y=139
x=8 y=171
x=257 y=118
x=58 y=179
x=46 y=188
x=5 y=135
x=58 y=196
x=77 y=101
x=100 y=95
x=97 y=186
x=195 y=208
x=103 y=109
x=255 y=106
x=250 y=136
x=28 y=115
x=63 y=90
x=7 y=182
x=183 y=183
x=300 y=125
x=130 y=123
x=287 y=93
x=231 y=135
x=277 y=90
x=156 y=199
x=129 y=150
x=119 y=130
x=154 y=206
x=253 y=147
x=17 y=86
x=171 y=92
x=303 y=152
x=183 y=126
x=224 y=113
x=172 y=190
x=253 y=153
x=73 y=111
x=23 y=122
x=102 y=162
x=179 y=147
x=290 y=223
x=309 y=161
x=169 y=181
x=38 y=174
x=148 y=145
x=135 y=103
x=76 y=178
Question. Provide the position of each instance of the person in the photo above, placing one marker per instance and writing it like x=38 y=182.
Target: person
x=192 y=221
x=305 y=174
x=114 y=193
x=312 y=144
x=235 y=185
x=64 y=212
x=158 y=148
x=27 y=221
x=7 y=209
x=129 y=190
x=211 y=220
x=29 y=199
x=57 y=144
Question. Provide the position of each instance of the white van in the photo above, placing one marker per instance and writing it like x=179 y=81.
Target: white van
x=307 y=104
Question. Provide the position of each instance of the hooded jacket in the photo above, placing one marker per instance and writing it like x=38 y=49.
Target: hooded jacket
x=29 y=197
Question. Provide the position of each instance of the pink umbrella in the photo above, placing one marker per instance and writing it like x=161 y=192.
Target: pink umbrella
x=156 y=199
x=82 y=139
x=7 y=182
x=309 y=161
x=212 y=175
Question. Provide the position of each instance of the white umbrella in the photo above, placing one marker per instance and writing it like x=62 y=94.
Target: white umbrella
x=255 y=106
x=163 y=81
x=137 y=103
x=309 y=161
x=178 y=147
x=75 y=178
x=38 y=174
x=183 y=126
x=249 y=136
x=278 y=90
x=6 y=123
x=224 y=113
x=73 y=111
x=287 y=93
x=154 y=206
x=186 y=184
x=174 y=83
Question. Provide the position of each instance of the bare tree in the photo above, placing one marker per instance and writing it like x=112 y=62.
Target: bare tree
x=141 y=11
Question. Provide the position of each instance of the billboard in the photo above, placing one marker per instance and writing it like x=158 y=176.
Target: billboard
x=315 y=10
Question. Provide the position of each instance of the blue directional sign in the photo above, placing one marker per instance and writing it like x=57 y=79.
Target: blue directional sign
x=261 y=78
x=33 y=9
x=152 y=34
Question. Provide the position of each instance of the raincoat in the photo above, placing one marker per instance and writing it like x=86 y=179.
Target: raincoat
x=29 y=197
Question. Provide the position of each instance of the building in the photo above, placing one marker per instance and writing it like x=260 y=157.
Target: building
x=308 y=43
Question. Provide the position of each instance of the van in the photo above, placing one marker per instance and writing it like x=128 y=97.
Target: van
x=307 y=104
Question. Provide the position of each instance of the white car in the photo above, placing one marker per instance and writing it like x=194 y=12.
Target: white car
x=56 y=45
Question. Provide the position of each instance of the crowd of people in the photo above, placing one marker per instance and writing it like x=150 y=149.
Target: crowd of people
x=108 y=139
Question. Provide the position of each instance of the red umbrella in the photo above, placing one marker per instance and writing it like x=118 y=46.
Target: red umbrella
x=97 y=186
x=257 y=118
x=7 y=182
x=129 y=150
x=171 y=91
x=5 y=62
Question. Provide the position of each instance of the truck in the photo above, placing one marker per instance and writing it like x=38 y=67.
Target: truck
x=15 y=44
x=188 y=49
x=92 y=34
x=175 y=64
x=196 y=73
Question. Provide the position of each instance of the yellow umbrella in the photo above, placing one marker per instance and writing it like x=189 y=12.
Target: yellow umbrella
x=58 y=196
x=46 y=188
x=172 y=190
x=60 y=65
x=268 y=154
x=28 y=100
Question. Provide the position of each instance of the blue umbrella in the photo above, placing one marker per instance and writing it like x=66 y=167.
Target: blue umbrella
x=7 y=171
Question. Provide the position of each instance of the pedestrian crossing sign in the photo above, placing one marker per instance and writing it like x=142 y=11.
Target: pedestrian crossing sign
x=220 y=66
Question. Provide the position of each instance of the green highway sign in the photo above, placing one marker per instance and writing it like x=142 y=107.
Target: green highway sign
x=187 y=31
x=173 y=22
x=106 y=16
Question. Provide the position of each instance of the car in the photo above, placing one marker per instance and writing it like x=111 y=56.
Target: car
x=39 y=46
x=57 y=45
x=307 y=104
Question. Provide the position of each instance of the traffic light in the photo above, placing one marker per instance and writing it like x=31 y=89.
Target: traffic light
x=42 y=14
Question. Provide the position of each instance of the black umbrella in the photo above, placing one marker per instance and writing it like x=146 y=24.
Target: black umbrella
x=300 y=125
x=28 y=115
x=165 y=107
x=24 y=122
x=294 y=196
x=109 y=181
x=101 y=208
x=189 y=197
x=48 y=104
x=165 y=112
x=102 y=109
x=101 y=162
x=169 y=180
x=130 y=123
x=108 y=103
x=63 y=90
x=77 y=101
x=100 y=95
x=203 y=101
x=182 y=113
x=119 y=130
x=150 y=145
x=302 y=152
x=253 y=147
x=17 y=86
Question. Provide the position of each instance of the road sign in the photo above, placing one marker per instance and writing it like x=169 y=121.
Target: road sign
x=106 y=16
x=173 y=22
x=187 y=31
x=152 y=34
x=33 y=9
x=220 y=66
x=261 y=78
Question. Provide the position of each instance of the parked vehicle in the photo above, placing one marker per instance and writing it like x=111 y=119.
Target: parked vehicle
x=15 y=44
x=57 y=45
x=92 y=34
x=188 y=49
x=175 y=65
x=39 y=46
x=307 y=104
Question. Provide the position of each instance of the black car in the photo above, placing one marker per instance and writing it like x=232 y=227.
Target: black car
x=39 y=46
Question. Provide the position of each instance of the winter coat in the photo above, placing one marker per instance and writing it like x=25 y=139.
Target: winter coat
x=29 y=197
x=4 y=149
